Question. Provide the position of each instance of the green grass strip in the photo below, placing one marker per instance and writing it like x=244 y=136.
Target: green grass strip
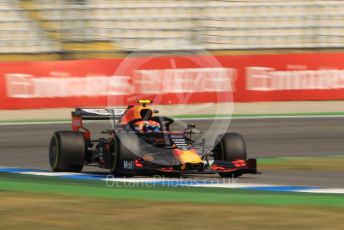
x=37 y=184
x=193 y=116
x=254 y=115
x=315 y=163
x=273 y=160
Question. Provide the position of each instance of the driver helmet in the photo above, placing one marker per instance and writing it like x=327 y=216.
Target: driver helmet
x=147 y=125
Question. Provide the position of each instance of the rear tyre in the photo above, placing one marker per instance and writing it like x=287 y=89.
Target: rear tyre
x=67 y=151
x=230 y=147
x=125 y=150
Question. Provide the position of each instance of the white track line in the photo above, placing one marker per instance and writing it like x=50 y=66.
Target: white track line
x=233 y=185
x=181 y=182
x=51 y=173
x=324 y=190
x=185 y=119
x=34 y=123
x=262 y=117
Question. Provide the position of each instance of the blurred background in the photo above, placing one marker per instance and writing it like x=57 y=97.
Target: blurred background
x=288 y=103
x=74 y=29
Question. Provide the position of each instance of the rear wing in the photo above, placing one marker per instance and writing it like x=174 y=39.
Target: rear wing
x=99 y=114
x=81 y=114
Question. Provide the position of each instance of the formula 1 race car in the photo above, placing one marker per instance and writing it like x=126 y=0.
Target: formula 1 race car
x=142 y=143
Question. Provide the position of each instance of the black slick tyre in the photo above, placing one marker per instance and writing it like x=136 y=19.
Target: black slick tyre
x=67 y=151
x=230 y=147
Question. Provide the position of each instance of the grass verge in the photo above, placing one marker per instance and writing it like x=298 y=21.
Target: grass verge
x=191 y=116
x=37 y=202
x=322 y=163
x=31 y=211
x=99 y=189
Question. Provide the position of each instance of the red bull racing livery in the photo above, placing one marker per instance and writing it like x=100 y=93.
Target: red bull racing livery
x=142 y=143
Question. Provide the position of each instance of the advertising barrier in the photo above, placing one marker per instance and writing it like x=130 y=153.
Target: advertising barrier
x=171 y=80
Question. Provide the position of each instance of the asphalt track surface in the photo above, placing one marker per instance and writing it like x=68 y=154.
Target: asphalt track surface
x=26 y=146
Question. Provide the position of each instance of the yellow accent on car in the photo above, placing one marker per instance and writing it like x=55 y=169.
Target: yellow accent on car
x=189 y=156
x=144 y=101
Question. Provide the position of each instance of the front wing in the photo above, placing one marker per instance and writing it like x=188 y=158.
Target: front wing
x=236 y=167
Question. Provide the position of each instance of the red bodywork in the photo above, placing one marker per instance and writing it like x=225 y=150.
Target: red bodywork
x=77 y=126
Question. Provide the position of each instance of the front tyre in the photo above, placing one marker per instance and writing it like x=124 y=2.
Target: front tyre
x=67 y=151
x=230 y=147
